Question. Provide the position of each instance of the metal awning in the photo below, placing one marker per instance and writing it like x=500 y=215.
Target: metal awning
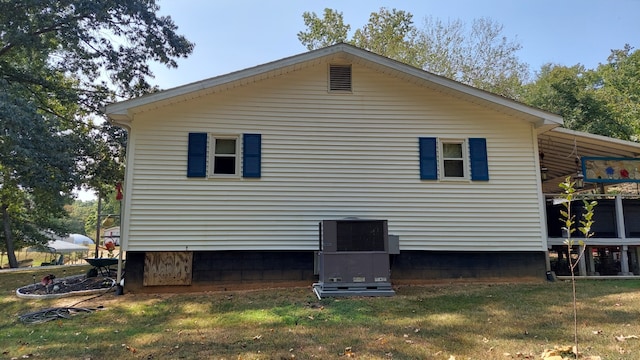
x=561 y=147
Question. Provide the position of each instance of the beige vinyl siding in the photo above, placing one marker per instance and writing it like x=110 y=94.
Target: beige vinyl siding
x=330 y=156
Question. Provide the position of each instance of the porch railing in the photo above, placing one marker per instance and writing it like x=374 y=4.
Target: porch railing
x=616 y=233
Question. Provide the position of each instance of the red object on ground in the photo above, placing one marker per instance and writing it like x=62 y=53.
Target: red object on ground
x=48 y=279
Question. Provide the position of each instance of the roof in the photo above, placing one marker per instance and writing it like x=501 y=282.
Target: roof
x=561 y=147
x=122 y=112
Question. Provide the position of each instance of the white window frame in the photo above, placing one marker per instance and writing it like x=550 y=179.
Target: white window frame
x=212 y=155
x=464 y=159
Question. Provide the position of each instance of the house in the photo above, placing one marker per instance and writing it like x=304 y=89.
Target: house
x=112 y=234
x=228 y=178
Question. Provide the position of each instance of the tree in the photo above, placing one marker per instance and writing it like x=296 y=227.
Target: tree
x=79 y=212
x=569 y=221
x=323 y=32
x=37 y=168
x=479 y=56
x=109 y=206
x=602 y=101
x=392 y=34
x=617 y=84
x=60 y=63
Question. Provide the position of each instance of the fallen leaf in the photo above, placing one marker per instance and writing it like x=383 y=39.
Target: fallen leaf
x=624 y=338
x=348 y=352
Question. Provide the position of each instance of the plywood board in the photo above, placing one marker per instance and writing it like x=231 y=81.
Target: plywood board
x=167 y=268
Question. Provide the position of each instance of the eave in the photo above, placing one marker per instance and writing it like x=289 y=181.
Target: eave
x=124 y=111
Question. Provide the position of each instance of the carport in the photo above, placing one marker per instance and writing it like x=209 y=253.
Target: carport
x=615 y=247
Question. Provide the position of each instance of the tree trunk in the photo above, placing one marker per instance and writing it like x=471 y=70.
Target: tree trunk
x=8 y=237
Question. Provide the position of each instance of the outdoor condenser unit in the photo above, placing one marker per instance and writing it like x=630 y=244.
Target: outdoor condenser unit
x=353 y=259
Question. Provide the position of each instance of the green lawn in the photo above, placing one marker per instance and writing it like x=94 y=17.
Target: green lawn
x=456 y=320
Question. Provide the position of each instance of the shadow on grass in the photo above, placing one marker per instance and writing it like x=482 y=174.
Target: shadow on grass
x=426 y=322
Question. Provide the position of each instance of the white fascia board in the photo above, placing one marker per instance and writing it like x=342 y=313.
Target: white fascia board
x=600 y=138
x=123 y=108
x=546 y=117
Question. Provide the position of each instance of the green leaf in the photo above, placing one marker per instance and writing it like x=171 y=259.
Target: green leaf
x=55 y=59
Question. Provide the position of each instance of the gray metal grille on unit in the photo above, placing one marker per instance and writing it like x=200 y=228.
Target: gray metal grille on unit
x=340 y=78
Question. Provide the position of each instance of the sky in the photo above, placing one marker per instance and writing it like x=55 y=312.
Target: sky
x=232 y=35
x=238 y=34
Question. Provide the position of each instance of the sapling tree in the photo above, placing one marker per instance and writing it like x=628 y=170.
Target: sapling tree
x=585 y=223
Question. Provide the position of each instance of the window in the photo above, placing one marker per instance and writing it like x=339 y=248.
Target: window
x=453 y=159
x=225 y=155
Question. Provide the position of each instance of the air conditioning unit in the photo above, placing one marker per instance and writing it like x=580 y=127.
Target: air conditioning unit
x=353 y=258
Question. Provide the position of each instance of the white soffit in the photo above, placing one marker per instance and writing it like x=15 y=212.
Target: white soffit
x=562 y=146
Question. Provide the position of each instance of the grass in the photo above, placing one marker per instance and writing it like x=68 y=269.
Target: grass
x=466 y=321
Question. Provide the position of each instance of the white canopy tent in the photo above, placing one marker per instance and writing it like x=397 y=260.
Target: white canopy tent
x=63 y=247
x=78 y=239
x=58 y=246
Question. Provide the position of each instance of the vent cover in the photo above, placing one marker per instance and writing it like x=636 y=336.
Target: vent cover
x=340 y=78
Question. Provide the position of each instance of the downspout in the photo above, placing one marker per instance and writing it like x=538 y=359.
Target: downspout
x=124 y=222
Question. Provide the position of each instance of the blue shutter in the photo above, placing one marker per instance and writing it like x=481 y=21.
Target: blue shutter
x=251 y=155
x=428 y=159
x=197 y=155
x=479 y=162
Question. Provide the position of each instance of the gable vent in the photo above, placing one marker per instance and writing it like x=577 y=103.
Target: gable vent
x=340 y=78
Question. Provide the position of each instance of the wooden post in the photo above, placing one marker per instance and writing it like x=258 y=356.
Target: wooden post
x=592 y=264
x=622 y=234
x=582 y=264
x=624 y=260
